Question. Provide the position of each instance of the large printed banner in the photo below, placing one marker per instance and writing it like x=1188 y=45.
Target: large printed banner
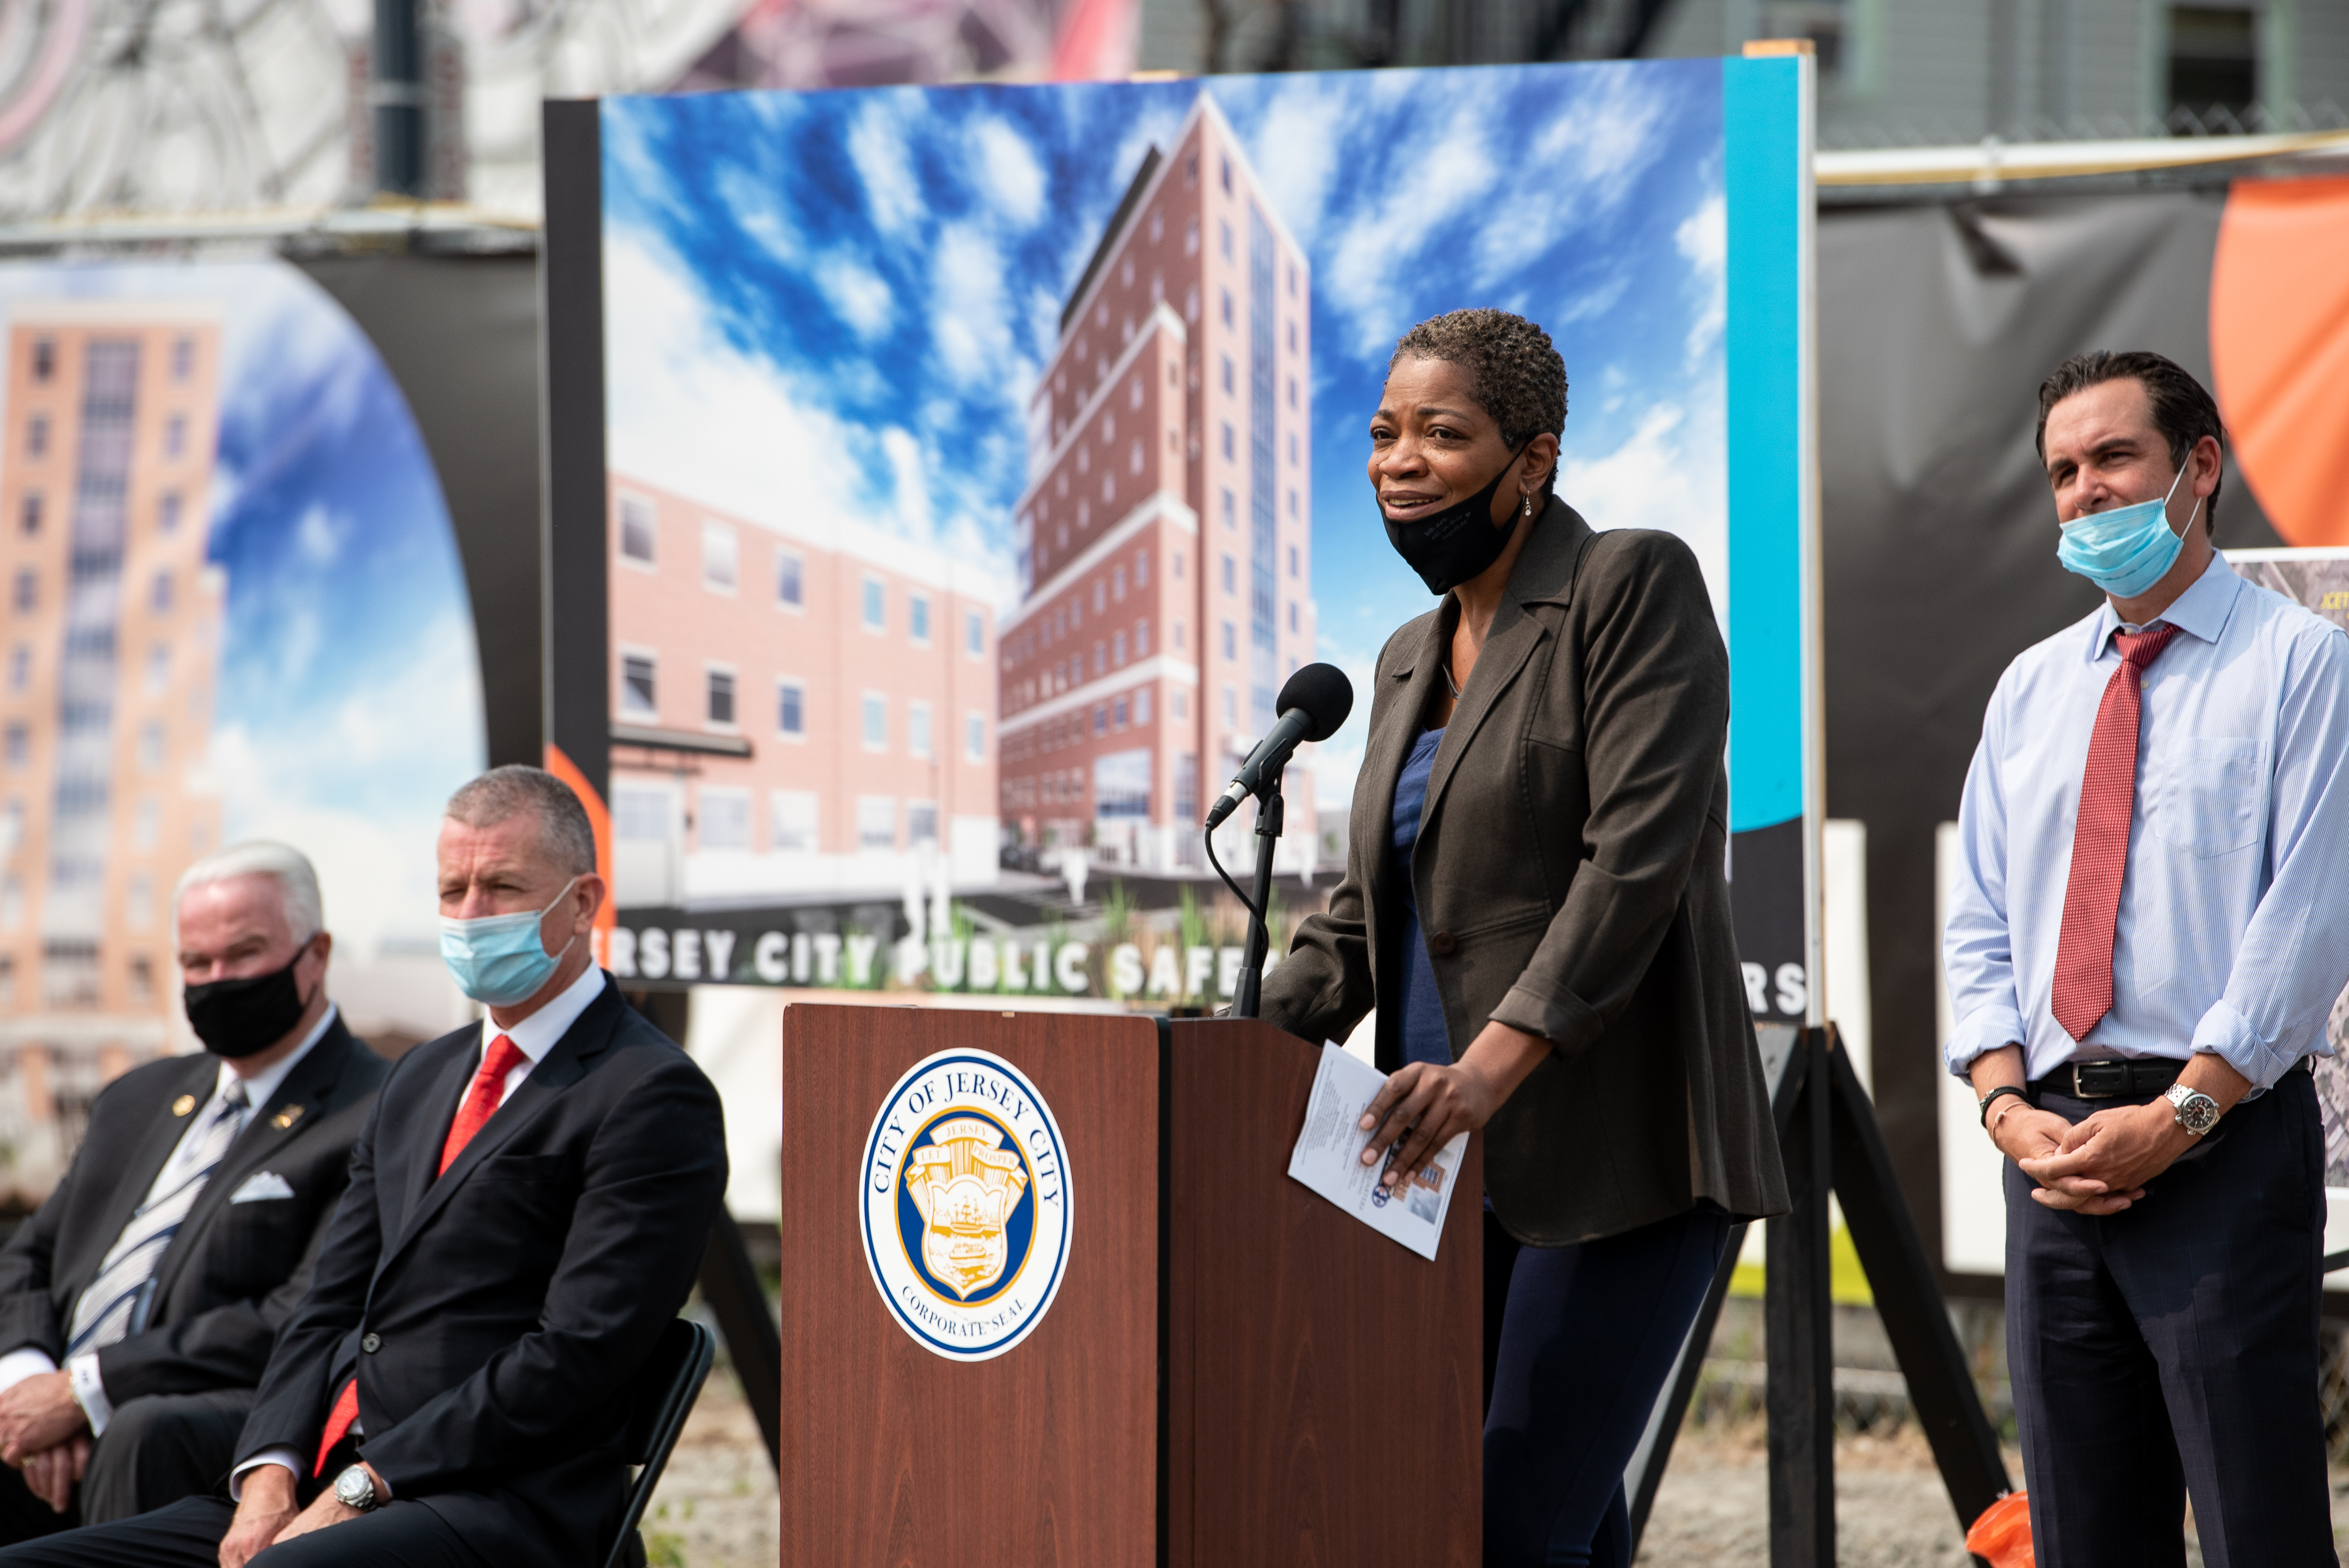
x=977 y=465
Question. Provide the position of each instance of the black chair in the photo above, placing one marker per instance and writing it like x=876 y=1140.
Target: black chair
x=666 y=1387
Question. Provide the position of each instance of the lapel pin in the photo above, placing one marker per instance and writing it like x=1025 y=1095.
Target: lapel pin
x=183 y=1104
x=286 y=1117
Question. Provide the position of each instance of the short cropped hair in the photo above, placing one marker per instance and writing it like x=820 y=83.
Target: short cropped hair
x=2183 y=409
x=1515 y=372
x=296 y=879
x=564 y=833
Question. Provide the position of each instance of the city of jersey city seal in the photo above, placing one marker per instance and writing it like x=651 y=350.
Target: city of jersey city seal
x=965 y=1204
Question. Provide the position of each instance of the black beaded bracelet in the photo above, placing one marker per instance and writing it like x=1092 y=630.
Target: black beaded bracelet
x=1983 y=1106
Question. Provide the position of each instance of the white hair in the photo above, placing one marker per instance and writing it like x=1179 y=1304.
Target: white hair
x=297 y=881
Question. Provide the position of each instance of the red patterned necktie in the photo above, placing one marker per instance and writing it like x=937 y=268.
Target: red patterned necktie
x=2092 y=899
x=481 y=1103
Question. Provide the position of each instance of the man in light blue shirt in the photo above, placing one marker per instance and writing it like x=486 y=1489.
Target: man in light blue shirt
x=2147 y=931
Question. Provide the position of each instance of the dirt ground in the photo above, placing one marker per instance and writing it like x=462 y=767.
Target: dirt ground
x=716 y=1506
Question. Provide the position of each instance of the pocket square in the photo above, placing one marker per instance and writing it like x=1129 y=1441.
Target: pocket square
x=262 y=1185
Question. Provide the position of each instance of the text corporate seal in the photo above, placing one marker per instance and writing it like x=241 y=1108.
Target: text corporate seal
x=965 y=1204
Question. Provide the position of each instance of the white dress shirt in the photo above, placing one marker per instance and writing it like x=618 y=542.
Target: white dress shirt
x=2232 y=935
x=535 y=1036
x=88 y=1388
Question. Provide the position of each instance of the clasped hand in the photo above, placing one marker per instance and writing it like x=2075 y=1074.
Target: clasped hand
x=2098 y=1166
x=43 y=1433
x=1424 y=1106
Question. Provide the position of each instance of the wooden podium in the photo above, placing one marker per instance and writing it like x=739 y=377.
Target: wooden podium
x=1232 y=1371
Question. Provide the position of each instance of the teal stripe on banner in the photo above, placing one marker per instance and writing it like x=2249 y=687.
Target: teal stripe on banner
x=1762 y=146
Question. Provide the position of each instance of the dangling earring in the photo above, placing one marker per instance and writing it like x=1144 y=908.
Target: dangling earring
x=1529 y=503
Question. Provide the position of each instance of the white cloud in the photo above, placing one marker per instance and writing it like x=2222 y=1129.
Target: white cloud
x=1007 y=169
x=1668 y=474
x=1585 y=163
x=1368 y=278
x=857 y=296
x=1703 y=238
x=909 y=479
x=967 y=321
x=877 y=148
x=318 y=535
x=1298 y=152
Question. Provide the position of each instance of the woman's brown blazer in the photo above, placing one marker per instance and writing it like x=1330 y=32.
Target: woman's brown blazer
x=1571 y=879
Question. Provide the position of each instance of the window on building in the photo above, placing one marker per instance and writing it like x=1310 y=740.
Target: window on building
x=183 y=358
x=637 y=692
x=1191 y=304
x=723 y=819
x=1142 y=638
x=917 y=620
x=921 y=824
x=138 y=980
x=876 y=606
x=45 y=359
x=175 y=436
x=876 y=723
x=8 y=975
x=1117 y=713
x=1157 y=224
x=1182 y=705
x=639 y=530
x=17 y=744
x=1230 y=384
x=1142 y=568
x=1180 y=645
x=1231 y=574
x=1227 y=307
x=146 y=823
x=167 y=517
x=150 y=746
x=1142 y=706
x=640 y=815
x=1231 y=448
x=2214 y=63
x=1292 y=505
x=36 y=436
x=160 y=595
x=790 y=579
x=1100 y=717
x=876 y=822
x=917 y=729
x=791 y=710
x=721 y=706
x=974 y=738
x=1292 y=615
x=20 y=667
x=1292 y=349
x=719 y=557
x=1101 y=659
x=973 y=634
x=1101 y=595
x=1227 y=174
x=1191 y=236
x=795 y=819
x=28 y=512
x=1117 y=651
x=1231 y=706
x=1292 y=448
x=159 y=669
x=1231 y=640
x=1179 y=567
x=1227 y=240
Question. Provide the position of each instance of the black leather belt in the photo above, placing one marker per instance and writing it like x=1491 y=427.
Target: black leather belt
x=2109 y=1080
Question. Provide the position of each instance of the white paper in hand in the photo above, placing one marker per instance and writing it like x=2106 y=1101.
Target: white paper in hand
x=1329 y=1159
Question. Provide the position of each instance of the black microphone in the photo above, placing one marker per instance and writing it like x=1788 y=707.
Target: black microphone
x=1313 y=706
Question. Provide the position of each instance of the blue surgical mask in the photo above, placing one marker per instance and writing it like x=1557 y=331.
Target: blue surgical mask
x=499 y=958
x=2126 y=551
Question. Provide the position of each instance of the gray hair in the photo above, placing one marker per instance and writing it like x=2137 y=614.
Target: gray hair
x=1515 y=372
x=296 y=879
x=563 y=831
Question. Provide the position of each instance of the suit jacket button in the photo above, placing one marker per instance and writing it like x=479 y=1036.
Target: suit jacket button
x=370 y=1343
x=1442 y=944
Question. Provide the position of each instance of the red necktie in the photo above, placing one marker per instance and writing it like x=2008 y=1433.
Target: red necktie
x=481 y=1103
x=2092 y=899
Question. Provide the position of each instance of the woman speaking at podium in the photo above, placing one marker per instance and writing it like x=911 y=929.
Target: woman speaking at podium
x=1535 y=900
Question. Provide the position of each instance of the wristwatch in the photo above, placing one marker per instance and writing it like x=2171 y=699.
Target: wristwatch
x=2198 y=1113
x=356 y=1489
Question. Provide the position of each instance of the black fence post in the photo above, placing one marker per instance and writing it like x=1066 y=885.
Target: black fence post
x=730 y=1288
x=1799 y=1320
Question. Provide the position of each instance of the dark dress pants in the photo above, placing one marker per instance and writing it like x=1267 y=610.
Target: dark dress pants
x=156 y=1450
x=1577 y=1342
x=2171 y=1350
x=188 y=1535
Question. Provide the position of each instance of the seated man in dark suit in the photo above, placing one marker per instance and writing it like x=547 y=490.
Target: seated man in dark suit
x=526 y=1213
x=139 y=1304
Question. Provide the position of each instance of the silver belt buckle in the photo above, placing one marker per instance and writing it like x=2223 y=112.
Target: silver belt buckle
x=2114 y=1074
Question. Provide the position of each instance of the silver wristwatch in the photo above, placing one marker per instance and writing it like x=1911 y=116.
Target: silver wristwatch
x=2198 y=1113
x=356 y=1489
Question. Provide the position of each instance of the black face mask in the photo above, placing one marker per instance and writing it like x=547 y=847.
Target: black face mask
x=1457 y=543
x=236 y=1018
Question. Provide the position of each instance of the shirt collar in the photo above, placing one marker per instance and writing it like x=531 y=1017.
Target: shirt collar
x=2201 y=611
x=263 y=1086
x=537 y=1035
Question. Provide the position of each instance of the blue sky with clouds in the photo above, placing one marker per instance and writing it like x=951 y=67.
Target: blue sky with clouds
x=827 y=310
x=348 y=695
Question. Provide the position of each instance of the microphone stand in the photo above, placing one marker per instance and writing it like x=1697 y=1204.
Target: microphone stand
x=1245 y=999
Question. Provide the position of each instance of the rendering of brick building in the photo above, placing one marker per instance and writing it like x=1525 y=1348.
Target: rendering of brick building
x=1164 y=536
x=793 y=721
x=106 y=674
